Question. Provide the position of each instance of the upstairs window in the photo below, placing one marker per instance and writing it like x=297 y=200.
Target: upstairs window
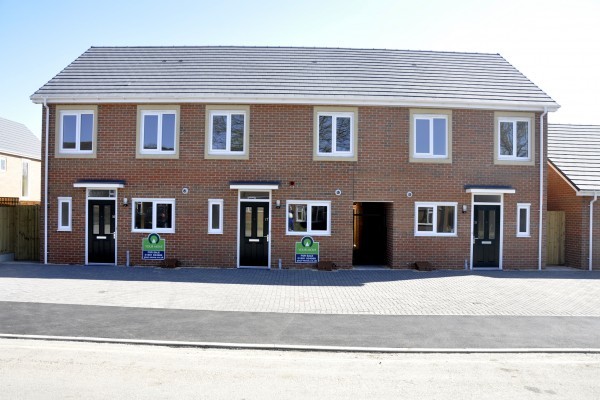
x=76 y=132
x=227 y=132
x=430 y=136
x=514 y=139
x=158 y=132
x=335 y=134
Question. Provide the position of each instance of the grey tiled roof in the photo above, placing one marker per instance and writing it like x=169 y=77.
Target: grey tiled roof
x=575 y=151
x=16 y=139
x=294 y=75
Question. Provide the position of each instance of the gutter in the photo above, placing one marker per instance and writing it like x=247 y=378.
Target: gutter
x=591 y=246
x=46 y=183
x=542 y=166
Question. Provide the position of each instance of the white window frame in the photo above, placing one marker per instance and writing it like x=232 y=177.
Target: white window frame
x=334 y=116
x=514 y=121
x=25 y=189
x=69 y=201
x=435 y=205
x=159 y=114
x=227 y=150
x=3 y=164
x=524 y=206
x=77 y=114
x=154 y=202
x=309 y=205
x=429 y=117
x=219 y=230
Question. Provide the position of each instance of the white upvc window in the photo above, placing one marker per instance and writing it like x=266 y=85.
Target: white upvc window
x=215 y=216
x=308 y=217
x=65 y=217
x=25 y=179
x=430 y=136
x=435 y=219
x=336 y=131
x=158 y=132
x=514 y=139
x=523 y=219
x=227 y=132
x=3 y=164
x=153 y=215
x=76 y=131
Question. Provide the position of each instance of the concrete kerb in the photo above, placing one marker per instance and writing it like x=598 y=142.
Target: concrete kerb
x=304 y=348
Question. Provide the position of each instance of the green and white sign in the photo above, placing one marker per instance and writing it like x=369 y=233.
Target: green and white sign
x=153 y=247
x=307 y=251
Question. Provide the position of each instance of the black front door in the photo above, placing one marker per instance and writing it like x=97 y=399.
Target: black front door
x=254 y=234
x=486 y=236
x=101 y=229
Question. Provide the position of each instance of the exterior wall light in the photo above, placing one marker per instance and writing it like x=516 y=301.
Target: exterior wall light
x=277 y=203
x=464 y=208
x=125 y=202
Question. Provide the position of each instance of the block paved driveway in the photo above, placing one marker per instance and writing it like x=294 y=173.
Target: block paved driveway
x=359 y=292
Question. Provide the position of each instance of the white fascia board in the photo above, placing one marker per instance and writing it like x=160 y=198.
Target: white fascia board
x=253 y=187
x=20 y=155
x=98 y=185
x=491 y=191
x=591 y=193
x=291 y=99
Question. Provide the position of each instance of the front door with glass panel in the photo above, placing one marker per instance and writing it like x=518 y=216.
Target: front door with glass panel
x=254 y=234
x=101 y=231
x=486 y=236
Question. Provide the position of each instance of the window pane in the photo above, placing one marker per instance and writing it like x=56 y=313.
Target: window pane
x=439 y=137
x=107 y=220
x=297 y=218
x=522 y=139
x=215 y=222
x=96 y=220
x=260 y=221
x=487 y=198
x=99 y=193
x=69 y=132
x=248 y=222
x=25 y=180
x=237 y=132
x=506 y=138
x=445 y=219
x=255 y=195
x=480 y=224
x=64 y=214
x=168 y=132
x=164 y=214
x=143 y=215
x=492 y=222
x=318 y=218
x=425 y=219
x=87 y=131
x=151 y=132
x=522 y=220
x=422 y=144
x=342 y=134
x=325 y=144
x=219 y=132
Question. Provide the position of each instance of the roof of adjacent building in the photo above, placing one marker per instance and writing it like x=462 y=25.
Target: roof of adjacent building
x=17 y=140
x=575 y=151
x=300 y=75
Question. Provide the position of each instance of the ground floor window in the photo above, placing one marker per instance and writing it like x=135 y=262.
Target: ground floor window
x=153 y=215
x=523 y=211
x=215 y=216
x=435 y=219
x=308 y=217
x=64 y=213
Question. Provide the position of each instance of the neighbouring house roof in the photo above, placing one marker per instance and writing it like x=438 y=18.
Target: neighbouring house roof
x=299 y=75
x=17 y=140
x=575 y=151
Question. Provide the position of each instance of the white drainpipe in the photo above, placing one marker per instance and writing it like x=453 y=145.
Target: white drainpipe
x=542 y=165
x=592 y=229
x=46 y=184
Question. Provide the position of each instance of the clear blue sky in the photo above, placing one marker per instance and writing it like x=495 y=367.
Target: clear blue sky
x=554 y=43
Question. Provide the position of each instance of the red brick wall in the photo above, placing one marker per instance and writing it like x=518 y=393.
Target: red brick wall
x=281 y=149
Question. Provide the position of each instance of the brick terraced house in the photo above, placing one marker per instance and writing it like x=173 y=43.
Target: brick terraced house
x=573 y=188
x=234 y=155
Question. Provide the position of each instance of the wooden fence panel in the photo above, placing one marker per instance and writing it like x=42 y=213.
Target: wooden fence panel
x=555 y=238
x=19 y=232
